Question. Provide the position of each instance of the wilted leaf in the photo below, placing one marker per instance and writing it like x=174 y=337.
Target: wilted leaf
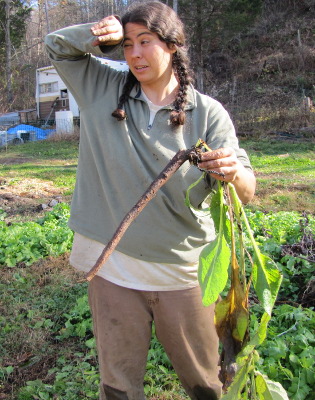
x=231 y=314
x=187 y=197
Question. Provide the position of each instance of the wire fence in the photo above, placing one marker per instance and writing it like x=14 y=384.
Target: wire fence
x=13 y=132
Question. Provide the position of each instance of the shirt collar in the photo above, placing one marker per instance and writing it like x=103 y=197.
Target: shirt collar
x=136 y=94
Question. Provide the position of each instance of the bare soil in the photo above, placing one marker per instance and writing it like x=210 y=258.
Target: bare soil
x=27 y=197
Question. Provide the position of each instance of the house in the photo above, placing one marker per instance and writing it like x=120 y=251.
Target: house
x=52 y=94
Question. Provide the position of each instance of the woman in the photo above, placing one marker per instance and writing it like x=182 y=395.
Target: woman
x=132 y=124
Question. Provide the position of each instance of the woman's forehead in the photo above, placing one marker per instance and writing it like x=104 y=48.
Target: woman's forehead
x=132 y=30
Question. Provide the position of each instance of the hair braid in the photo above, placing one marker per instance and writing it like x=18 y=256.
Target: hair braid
x=120 y=113
x=180 y=65
x=162 y=20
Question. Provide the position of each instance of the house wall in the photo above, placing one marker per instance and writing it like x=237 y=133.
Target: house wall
x=45 y=106
x=45 y=101
x=56 y=98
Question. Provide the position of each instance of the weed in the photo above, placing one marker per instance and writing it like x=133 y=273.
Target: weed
x=289 y=352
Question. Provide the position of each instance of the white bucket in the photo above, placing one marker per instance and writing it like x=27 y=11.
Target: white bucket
x=64 y=122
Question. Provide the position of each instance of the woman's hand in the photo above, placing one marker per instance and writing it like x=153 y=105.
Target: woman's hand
x=108 y=32
x=228 y=168
x=223 y=161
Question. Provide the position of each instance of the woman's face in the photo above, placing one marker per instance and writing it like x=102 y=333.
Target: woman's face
x=149 y=59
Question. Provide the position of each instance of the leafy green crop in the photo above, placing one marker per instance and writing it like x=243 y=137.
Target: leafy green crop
x=27 y=242
x=277 y=232
x=283 y=226
x=289 y=351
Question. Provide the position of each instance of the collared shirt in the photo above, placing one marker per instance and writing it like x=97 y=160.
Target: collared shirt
x=118 y=160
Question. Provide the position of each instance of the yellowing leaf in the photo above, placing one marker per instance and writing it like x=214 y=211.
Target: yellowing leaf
x=231 y=314
x=241 y=324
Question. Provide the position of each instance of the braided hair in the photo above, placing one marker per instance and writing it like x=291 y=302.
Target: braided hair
x=162 y=20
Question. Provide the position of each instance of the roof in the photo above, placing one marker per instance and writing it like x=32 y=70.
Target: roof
x=117 y=64
x=45 y=68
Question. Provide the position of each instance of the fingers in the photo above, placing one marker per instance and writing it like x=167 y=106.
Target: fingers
x=108 y=31
x=222 y=164
x=110 y=20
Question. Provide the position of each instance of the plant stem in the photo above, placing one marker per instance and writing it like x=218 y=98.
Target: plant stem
x=238 y=210
x=243 y=215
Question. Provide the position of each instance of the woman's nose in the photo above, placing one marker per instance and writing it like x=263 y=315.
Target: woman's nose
x=136 y=51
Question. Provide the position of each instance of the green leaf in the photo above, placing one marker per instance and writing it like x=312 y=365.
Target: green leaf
x=215 y=207
x=218 y=210
x=257 y=338
x=269 y=390
x=239 y=381
x=215 y=258
x=266 y=280
x=187 y=197
x=213 y=269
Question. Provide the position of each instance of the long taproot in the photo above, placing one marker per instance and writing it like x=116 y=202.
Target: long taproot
x=176 y=162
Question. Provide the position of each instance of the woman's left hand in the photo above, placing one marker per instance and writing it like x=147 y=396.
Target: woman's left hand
x=228 y=168
x=223 y=161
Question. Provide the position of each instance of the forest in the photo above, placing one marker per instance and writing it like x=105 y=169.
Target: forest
x=257 y=57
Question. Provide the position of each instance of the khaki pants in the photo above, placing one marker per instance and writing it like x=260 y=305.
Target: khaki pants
x=122 y=321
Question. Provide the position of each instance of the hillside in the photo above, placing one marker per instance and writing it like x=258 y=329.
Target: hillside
x=266 y=77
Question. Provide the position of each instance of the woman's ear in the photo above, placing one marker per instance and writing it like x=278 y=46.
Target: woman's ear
x=172 y=47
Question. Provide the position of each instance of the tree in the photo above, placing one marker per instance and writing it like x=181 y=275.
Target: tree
x=13 y=15
x=211 y=25
x=8 y=65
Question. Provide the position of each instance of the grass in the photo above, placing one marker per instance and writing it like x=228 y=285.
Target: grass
x=54 y=161
x=285 y=169
x=285 y=172
x=44 y=150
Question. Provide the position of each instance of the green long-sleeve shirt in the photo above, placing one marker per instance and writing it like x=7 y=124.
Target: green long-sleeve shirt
x=118 y=160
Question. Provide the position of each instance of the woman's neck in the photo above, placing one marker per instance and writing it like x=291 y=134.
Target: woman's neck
x=162 y=96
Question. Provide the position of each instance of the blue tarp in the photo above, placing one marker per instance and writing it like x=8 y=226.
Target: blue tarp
x=41 y=134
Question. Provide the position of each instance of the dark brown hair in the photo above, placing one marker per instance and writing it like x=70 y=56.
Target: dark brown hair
x=162 y=20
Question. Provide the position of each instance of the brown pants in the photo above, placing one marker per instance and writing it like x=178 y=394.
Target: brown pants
x=122 y=321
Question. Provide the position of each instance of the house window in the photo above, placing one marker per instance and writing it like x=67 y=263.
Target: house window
x=64 y=93
x=48 y=87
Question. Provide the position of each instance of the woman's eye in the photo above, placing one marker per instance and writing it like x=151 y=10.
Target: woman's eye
x=126 y=45
x=144 y=41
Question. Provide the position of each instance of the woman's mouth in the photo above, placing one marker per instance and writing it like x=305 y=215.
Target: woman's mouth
x=140 y=67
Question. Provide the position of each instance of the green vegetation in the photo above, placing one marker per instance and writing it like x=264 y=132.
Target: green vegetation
x=30 y=161
x=285 y=172
x=46 y=342
x=29 y=241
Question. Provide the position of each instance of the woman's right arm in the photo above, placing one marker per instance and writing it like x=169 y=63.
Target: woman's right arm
x=72 y=50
